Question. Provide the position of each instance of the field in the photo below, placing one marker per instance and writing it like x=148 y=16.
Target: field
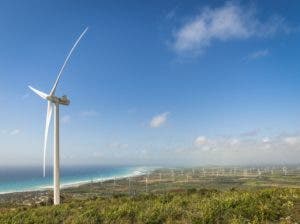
x=198 y=195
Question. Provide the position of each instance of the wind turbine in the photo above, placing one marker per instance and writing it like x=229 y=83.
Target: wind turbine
x=53 y=103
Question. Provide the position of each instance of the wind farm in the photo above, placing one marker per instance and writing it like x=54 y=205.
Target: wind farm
x=176 y=112
x=165 y=187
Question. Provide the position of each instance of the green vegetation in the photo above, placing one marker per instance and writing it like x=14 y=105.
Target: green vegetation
x=210 y=195
x=192 y=206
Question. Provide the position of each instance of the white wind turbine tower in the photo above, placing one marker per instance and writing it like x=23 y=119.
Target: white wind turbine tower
x=53 y=103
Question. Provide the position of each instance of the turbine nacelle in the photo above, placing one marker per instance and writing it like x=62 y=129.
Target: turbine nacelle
x=59 y=100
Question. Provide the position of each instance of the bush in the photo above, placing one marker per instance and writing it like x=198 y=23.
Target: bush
x=198 y=206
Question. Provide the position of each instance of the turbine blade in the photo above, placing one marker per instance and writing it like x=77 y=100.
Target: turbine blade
x=48 y=119
x=65 y=62
x=40 y=93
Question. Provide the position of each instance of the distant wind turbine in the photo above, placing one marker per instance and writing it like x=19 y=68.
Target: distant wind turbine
x=54 y=102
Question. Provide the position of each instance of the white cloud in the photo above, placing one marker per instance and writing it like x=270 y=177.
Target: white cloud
x=228 y=22
x=233 y=142
x=240 y=150
x=10 y=132
x=172 y=13
x=118 y=145
x=14 y=132
x=258 y=54
x=97 y=154
x=159 y=120
x=250 y=133
x=89 y=113
x=292 y=140
x=66 y=119
x=132 y=110
x=267 y=146
x=266 y=140
x=25 y=96
x=203 y=150
x=200 y=141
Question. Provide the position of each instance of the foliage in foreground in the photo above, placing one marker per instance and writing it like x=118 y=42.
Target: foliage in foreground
x=194 y=206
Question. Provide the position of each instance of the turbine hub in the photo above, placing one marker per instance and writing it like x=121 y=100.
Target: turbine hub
x=59 y=100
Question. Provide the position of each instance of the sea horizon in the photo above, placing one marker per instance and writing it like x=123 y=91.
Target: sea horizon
x=23 y=179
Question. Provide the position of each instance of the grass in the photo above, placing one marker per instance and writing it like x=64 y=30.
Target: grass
x=191 y=206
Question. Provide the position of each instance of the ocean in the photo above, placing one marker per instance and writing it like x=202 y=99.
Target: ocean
x=18 y=179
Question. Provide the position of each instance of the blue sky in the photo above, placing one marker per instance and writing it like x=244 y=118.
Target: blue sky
x=156 y=83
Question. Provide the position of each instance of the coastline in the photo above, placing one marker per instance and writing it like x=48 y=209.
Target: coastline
x=138 y=171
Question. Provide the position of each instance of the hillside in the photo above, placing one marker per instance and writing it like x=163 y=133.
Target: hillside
x=180 y=196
